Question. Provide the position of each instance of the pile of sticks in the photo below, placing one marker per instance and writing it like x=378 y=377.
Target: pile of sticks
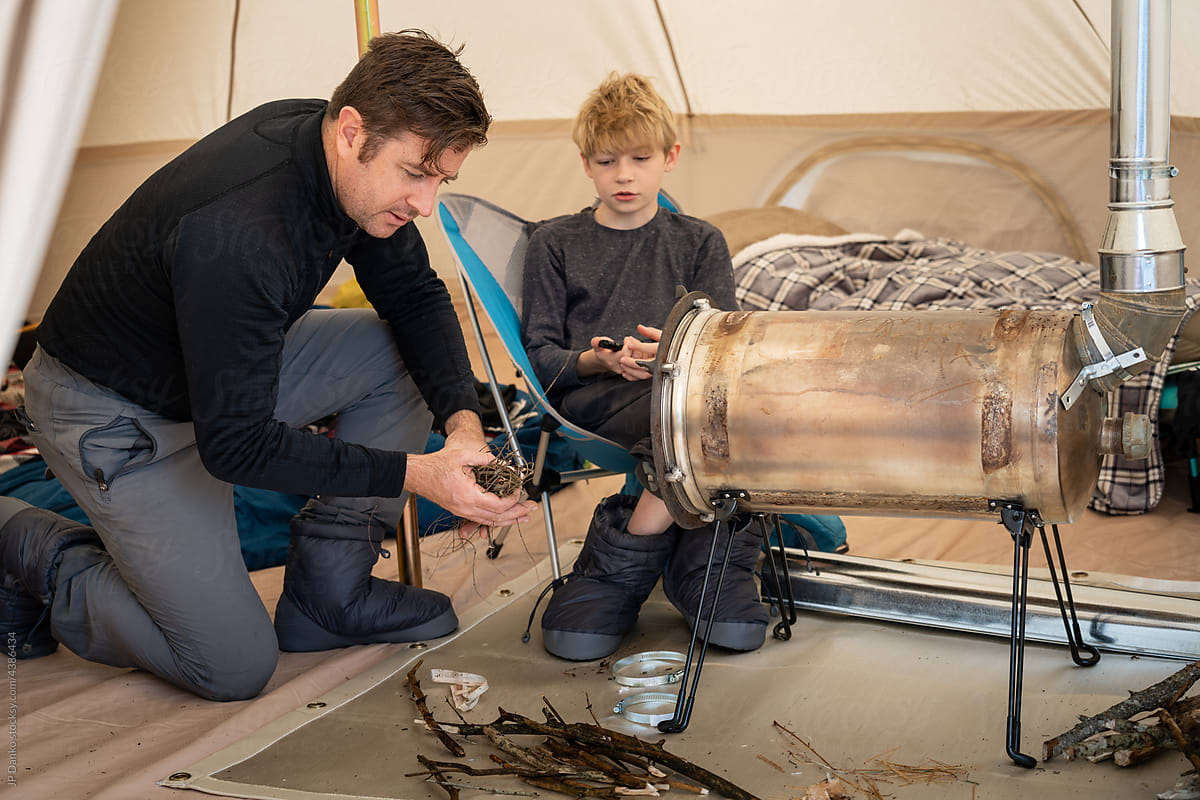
x=1115 y=734
x=576 y=759
x=1156 y=719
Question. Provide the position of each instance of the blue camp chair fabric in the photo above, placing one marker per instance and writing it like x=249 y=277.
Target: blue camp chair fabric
x=489 y=245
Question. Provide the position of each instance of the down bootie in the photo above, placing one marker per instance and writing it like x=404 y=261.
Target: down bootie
x=615 y=572
x=32 y=543
x=330 y=599
x=740 y=621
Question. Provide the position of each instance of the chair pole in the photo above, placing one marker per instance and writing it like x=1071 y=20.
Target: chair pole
x=469 y=297
x=493 y=384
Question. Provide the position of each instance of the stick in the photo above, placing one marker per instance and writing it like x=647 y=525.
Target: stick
x=1160 y=695
x=418 y=697
x=596 y=737
x=622 y=777
x=450 y=788
x=515 y=792
x=1180 y=739
x=549 y=766
x=552 y=714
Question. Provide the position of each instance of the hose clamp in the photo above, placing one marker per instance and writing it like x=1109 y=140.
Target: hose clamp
x=651 y=668
x=652 y=707
x=1109 y=365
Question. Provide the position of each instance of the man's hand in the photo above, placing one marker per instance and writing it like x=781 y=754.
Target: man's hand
x=445 y=477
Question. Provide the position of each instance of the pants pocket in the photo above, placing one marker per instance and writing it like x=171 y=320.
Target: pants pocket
x=112 y=450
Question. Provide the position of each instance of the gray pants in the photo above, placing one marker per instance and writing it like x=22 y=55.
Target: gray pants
x=170 y=593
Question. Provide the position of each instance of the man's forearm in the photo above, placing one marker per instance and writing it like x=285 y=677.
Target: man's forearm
x=466 y=420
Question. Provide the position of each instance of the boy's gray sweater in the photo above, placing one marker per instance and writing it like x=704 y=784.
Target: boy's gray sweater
x=583 y=280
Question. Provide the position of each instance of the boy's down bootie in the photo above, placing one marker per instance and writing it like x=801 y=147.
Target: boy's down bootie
x=330 y=599
x=614 y=574
x=740 y=621
x=32 y=544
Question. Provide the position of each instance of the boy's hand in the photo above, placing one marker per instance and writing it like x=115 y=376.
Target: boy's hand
x=607 y=353
x=624 y=360
x=636 y=351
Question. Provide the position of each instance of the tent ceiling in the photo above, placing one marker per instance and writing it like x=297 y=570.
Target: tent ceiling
x=536 y=59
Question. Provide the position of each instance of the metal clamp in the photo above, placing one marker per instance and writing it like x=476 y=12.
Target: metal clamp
x=651 y=668
x=1110 y=364
x=660 y=706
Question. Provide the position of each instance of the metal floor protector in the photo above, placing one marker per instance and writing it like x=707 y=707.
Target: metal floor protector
x=1114 y=617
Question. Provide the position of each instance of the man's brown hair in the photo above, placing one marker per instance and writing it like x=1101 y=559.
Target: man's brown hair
x=409 y=81
x=622 y=112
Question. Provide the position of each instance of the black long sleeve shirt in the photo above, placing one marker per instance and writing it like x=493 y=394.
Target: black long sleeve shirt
x=182 y=299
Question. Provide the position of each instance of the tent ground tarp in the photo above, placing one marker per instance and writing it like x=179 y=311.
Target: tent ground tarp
x=853 y=690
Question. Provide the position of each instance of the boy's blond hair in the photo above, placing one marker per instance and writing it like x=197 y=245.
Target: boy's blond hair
x=622 y=112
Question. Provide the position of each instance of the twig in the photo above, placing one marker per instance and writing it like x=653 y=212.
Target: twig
x=450 y=788
x=1180 y=739
x=620 y=776
x=807 y=747
x=761 y=757
x=418 y=697
x=596 y=737
x=553 y=715
x=572 y=788
x=450 y=705
x=684 y=786
x=489 y=790
x=579 y=770
x=864 y=780
x=591 y=712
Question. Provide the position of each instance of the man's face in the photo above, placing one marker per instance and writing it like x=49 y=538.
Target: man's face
x=627 y=183
x=393 y=187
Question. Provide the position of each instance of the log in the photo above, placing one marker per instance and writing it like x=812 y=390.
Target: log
x=1160 y=695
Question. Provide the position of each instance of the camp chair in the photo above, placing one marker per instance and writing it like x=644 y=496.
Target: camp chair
x=489 y=245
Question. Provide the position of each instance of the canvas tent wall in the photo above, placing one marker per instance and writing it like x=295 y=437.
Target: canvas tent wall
x=977 y=120
x=49 y=68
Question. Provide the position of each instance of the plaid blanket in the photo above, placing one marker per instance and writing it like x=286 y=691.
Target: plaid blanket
x=861 y=273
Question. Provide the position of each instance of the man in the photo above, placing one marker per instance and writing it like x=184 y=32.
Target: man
x=180 y=357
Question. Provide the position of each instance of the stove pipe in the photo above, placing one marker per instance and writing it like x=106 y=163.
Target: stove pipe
x=1141 y=253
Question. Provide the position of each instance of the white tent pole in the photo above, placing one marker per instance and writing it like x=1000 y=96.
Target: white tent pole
x=52 y=57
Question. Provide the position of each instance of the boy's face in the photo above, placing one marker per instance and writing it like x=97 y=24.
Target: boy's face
x=628 y=182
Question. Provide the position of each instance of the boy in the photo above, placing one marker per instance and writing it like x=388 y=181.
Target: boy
x=592 y=280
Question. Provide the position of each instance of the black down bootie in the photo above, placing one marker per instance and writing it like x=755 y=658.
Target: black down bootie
x=32 y=543
x=740 y=621
x=614 y=574
x=330 y=599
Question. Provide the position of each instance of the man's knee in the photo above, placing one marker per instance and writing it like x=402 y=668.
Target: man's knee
x=238 y=671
